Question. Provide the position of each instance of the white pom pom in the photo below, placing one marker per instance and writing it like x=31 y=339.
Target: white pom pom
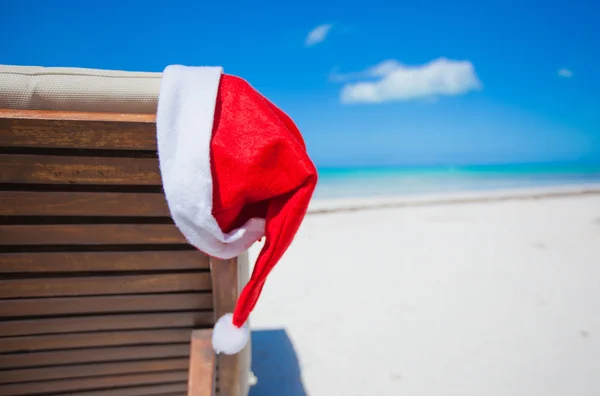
x=227 y=338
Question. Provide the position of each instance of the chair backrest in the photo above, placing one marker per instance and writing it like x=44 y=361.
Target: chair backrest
x=99 y=291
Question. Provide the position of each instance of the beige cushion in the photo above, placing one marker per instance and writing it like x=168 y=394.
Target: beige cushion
x=75 y=89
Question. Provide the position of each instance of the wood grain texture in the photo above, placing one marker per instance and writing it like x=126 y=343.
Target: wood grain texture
x=103 y=285
x=93 y=355
x=92 y=370
x=125 y=334
x=229 y=277
x=102 y=261
x=79 y=384
x=27 y=307
x=76 y=116
x=26 y=203
x=49 y=342
x=80 y=134
x=202 y=372
x=90 y=234
x=178 y=394
x=45 y=169
x=226 y=287
x=53 y=325
x=155 y=390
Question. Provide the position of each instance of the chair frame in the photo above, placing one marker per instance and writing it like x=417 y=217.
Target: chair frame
x=208 y=374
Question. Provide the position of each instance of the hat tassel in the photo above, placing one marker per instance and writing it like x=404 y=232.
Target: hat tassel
x=228 y=338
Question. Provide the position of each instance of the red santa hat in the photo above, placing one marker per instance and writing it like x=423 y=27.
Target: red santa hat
x=234 y=169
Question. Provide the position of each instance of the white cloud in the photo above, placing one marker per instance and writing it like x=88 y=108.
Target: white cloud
x=566 y=73
x=392 y=81
x=318 y=34
x=379 y=70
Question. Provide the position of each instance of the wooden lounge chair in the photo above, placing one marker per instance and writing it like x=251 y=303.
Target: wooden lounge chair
x=100 y=295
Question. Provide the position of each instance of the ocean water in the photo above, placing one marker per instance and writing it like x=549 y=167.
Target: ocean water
x=403 y=181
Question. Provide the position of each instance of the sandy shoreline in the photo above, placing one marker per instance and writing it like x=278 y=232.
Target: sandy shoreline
x=495 y=297
x=322 y=206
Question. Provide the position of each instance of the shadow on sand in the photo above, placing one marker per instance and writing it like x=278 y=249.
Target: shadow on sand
x=275 y=365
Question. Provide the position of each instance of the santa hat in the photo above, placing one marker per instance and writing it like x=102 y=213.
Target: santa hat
x=234 y=169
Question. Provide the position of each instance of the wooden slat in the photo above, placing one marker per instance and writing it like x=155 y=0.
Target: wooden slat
x=26 y=203
x=77 y=134
x=202 y=372
x=76 y=116
x=93 y=355
x=79 y=384
x=180 y=394
x=102 y=261
x=155 y=390
x=51 y=342
x=53 y=325
x=103 y=285
x=90 y=234
x=27 y=307
x=48 y=169
x=92 y=370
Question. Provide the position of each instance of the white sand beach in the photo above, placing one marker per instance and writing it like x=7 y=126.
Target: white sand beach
x=491 y=297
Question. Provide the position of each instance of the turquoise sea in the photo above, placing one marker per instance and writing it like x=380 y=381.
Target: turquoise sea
x=395 y=181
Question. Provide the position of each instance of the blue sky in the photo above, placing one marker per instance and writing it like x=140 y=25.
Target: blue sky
x=505 y=100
